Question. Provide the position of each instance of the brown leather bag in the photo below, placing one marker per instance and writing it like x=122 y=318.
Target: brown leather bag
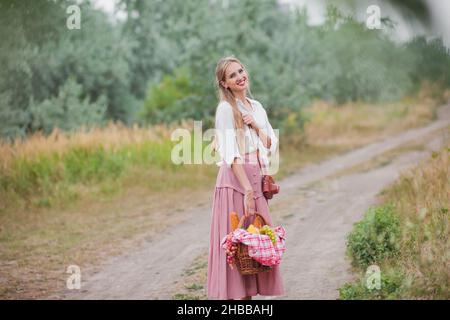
x=269 y=188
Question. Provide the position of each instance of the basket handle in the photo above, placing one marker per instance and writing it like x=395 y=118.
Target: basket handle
x=241 y=221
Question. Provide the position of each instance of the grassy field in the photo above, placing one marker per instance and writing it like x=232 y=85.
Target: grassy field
x=194 y=277
x=407 y=236
x=92 y=194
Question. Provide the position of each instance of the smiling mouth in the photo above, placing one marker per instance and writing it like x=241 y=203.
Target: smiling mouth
x=240 y=83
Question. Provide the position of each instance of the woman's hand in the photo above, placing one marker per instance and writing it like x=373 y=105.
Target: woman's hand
x=249 y=203
x=250 y=121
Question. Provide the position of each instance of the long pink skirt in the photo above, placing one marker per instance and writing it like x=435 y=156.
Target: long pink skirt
x=222 y=281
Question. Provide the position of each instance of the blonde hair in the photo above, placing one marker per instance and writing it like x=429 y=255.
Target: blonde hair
x=225 y=94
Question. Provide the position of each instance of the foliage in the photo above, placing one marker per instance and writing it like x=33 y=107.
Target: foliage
x=417 y=266
x=167 y=100
x=392 y=285
x=431 y=58
x=48 y=173
x=67 y=111
x=39 y=55
x=157 y=65
x=376 y=237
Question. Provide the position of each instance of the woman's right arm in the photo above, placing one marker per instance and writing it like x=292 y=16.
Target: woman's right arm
x=240 y=174
x=230 y=154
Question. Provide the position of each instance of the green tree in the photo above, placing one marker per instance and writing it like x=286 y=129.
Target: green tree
x=39 y=54
x=67 y=111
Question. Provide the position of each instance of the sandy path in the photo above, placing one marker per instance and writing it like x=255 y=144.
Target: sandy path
x=320 y=213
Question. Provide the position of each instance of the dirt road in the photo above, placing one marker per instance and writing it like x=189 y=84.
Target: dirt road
x=316 y=206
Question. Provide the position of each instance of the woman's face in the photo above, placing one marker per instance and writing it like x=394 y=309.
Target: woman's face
x=235 y=77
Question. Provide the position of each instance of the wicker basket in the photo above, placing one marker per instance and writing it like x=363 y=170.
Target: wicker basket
x=246 y=264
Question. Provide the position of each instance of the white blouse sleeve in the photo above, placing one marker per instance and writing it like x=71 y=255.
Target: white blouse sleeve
x=226 y=134
x=268 y=130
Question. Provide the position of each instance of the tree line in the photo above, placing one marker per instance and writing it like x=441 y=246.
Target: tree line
x=157 y=65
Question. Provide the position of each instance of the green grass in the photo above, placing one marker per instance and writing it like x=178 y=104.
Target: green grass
x=376 y=237
x=184 y=296
x=392 y=286
x=85 y=196
x=57 y=179
x=407 y=237
x=194 y=286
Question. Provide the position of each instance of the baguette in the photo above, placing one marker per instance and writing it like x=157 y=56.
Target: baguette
x=234 y=220
x=258 y=222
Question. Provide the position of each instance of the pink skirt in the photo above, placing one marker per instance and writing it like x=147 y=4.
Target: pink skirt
x=222 y=281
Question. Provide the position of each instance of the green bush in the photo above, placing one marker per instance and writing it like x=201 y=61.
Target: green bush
x=165 y=55
x=68 y=111
x=173 y=98
x=431 y=58
x=376 y=237
x=392 y=285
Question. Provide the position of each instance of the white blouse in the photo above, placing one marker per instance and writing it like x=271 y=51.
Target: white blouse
x=226 y=134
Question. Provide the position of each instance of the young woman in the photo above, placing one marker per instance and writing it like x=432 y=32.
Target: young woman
x=245 y=139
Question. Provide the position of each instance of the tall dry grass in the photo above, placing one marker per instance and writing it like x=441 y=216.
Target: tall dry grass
x=357 y=123
x=79 y=196
x=112 y=137
x=44 y=170
x=422 y=198
x=414 y=216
